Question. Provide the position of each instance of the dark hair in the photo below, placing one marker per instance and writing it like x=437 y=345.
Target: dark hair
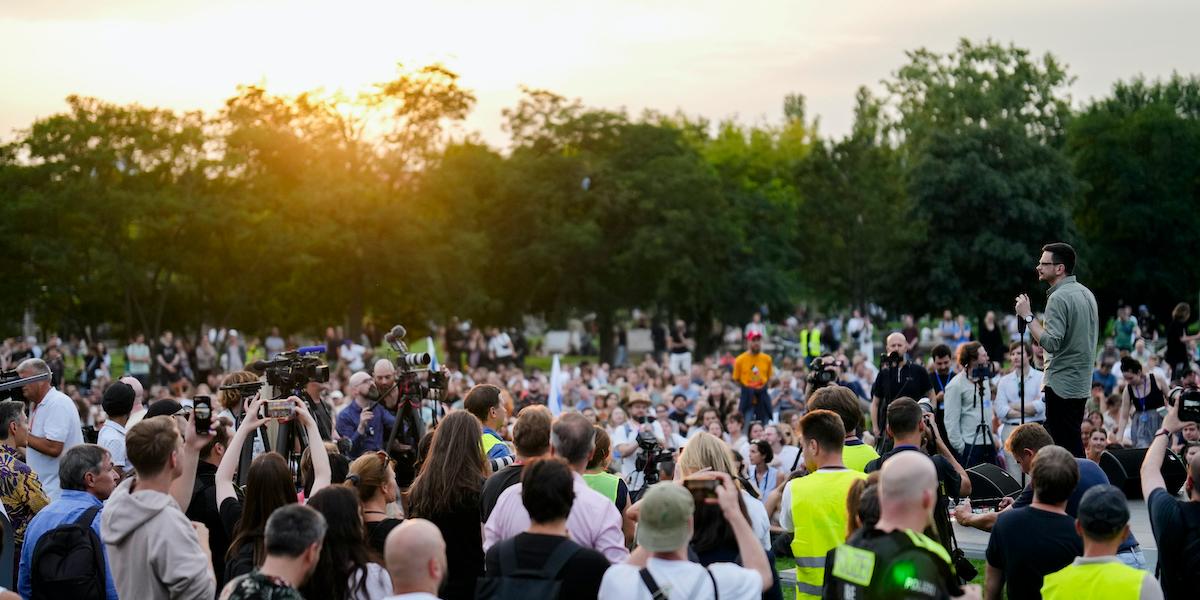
x=1063 y=254
x=269 y=486
x=903 y=416
x=968 y=353
x=481 y=399
x=1130 y=364
x=841 y=401
x=345 y=552
x=117 y=400
x=574 y=438
x=453 y=471
x=1030 y=436
x=941 y=351
x=1055 y=474
x=220 y=436
x=603 y=448
x=308 y=472
x=547 y=489
x=292 y=529
x=711 y=529
x=1182 y=312
x=531 y=432
x=77 y=462
x=824 y=426
x=10 y=412
x=764 y=449
x=737 y=417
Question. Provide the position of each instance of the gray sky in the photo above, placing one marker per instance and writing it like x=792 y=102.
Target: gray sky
x=713 y=58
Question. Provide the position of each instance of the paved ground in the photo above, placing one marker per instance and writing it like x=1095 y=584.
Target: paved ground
x=974 y=542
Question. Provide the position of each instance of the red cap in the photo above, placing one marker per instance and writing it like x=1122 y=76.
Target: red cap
x=753 y=335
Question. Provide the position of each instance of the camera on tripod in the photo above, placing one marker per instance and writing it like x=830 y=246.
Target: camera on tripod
x=982 y=372
x=650 y=455
x=891 y=360
x=409 y=366
x=290 y=371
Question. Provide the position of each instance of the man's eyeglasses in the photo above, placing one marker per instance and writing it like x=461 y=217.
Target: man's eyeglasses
x=1048 y=264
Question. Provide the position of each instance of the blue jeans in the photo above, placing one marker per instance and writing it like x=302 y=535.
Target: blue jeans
x=756 y=401
x=1133 y=557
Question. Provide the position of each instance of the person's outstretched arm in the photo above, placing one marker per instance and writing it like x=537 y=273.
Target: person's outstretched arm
x=233 y=454
x=181 y=488
x=322 y=473
x=1152 y=478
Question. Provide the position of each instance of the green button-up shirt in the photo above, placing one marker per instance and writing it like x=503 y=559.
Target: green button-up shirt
x=1070 y=333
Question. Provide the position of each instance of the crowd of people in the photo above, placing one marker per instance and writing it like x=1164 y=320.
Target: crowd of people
x=674 y=474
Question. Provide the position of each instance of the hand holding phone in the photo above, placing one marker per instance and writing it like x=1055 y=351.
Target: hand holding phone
x=202 y=414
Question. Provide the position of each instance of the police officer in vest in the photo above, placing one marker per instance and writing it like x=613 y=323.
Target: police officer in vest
x=894 y=559
x=814 y=506
x=1103 y=523
x=487 y=402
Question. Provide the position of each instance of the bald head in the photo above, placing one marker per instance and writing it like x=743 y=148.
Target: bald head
x=906 y=480
x=896 y=342
x=383 y=366
x=415 y=554
x=138 y=391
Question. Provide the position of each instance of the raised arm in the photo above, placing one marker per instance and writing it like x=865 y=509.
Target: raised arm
x=193 y=442
x=322 y=473
x=233 y=454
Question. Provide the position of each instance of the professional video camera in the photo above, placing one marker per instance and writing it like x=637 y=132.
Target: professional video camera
x=1189 y=405
x=821 y=373
x=891 y=360
x=649 y=456
x=982 y=372
x=287 y=375
x=11 y=384
x=290 y=371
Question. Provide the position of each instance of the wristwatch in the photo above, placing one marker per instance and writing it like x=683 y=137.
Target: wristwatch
x=1027 y=318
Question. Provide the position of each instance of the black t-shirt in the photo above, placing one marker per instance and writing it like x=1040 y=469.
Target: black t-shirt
x=913 y=383
x=1176 y=351
x=901 y=570
x=377 y=532
x=1169 y=520
x=1029 y=543
x=242 y=561
x=1090 y=475
x=580 y=577
x=494 y=486
x=464 y=547
x=949 y=485
x=203 y=509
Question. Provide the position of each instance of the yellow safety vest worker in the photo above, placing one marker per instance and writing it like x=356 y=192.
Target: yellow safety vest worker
x=1112 y=580
x=605 y=483
x=488 y=440
x=819 y=522
x=814 y=343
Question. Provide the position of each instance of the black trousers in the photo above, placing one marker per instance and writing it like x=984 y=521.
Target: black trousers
x=1063 y=419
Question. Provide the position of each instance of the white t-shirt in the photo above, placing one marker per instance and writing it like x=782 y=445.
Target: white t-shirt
x=112 y=438
x=681 y=580
x=54 y=418
x=783 y=461
x=501 y=345
x=760 y=522
x=378 y=584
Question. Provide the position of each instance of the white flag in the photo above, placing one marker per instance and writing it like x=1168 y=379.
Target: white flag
x=555 y=400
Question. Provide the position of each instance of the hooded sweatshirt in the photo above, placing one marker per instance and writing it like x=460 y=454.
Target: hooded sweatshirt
x=153 y=550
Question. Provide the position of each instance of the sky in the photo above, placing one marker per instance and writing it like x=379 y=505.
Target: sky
x=719 y=59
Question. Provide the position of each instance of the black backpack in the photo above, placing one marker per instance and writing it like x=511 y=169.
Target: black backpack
x=513 y=583
x=68 y=562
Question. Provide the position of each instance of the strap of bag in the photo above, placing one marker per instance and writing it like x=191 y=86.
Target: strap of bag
x=558 y=559
x=655 y=592
x=88 y=516
x=716 y=594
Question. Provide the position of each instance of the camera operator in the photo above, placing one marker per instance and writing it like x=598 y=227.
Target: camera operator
x=647 y=426
x=363 y=421
x=1175 y=523
x=897 y=378
x=384 y=373
x=910 y=426
x=969 y=407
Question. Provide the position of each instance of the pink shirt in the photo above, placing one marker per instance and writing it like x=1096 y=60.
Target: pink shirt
x=594 y=521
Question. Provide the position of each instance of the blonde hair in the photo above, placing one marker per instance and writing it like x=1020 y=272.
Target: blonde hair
x=368 y=475
x=232 y=399
x=705 y=450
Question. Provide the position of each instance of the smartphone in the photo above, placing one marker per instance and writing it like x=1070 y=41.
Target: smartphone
x=701 y=489
x=202 y=414
x=278 y=409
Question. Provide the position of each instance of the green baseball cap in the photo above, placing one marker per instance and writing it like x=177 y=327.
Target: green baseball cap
x=663 y=518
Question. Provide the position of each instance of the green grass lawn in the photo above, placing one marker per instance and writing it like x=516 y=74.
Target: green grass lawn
x=789 y=591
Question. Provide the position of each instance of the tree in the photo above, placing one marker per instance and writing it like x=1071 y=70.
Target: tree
x=1138 y=154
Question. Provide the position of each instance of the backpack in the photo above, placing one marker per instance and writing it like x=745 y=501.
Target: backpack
x=68 y=562
x=513 y=583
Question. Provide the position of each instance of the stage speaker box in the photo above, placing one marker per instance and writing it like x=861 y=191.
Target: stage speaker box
x=990 y=483
x=1123 y=466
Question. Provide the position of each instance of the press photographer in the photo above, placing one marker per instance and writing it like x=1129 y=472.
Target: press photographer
x=897 y=378
x=969 y=407
x=1174 y=522
x=363 y=421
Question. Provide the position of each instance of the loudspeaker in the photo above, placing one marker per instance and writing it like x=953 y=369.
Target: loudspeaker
x=989 y=483
x=1123 y=467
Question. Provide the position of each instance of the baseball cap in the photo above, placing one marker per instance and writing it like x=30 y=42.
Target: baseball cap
x=163 y=407
x=663 y=518
x=1103 y=511
x=753 y=335
x=118 y=399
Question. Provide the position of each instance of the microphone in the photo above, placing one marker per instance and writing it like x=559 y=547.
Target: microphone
x=259 y=365
x=310 y=350
x=397 y=333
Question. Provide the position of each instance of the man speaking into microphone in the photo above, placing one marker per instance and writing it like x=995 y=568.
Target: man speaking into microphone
x=1068 y=336
x=363 y=422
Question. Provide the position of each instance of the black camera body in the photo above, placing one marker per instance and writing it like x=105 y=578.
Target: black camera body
x=650 y=455
x=981 y=372
x=290 y=371
x=891 y=360
x=12 y=385
x=409 y=366
x=821 y=374
x=1189 y=405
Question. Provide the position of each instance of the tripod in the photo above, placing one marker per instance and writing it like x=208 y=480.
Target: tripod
x=1021 y=325
x=291 y=441
x=982 y=430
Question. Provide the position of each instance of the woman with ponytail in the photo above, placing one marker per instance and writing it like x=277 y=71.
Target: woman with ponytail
x=374 y=481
